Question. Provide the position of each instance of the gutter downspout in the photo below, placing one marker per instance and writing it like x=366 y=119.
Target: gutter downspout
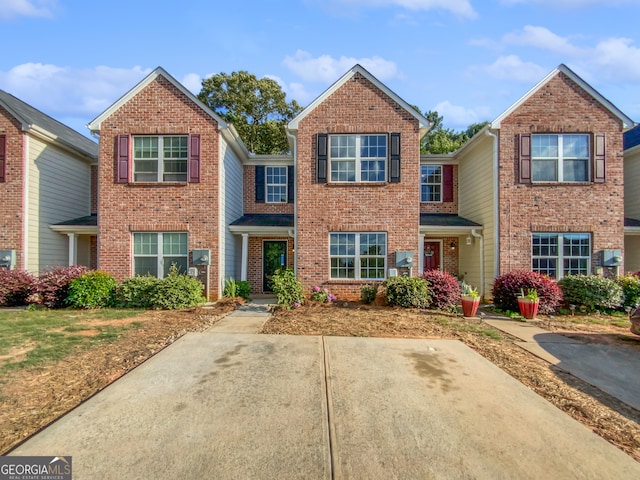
x=496 y=208
x=475 y=234
x=294 y=233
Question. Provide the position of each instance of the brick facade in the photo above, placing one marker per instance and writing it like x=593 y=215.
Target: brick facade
x=250 y=205
x=444 y=207
x=12 y=214
x=355 y=107
x=559 y=106
x=158 y=109
x=254 y=274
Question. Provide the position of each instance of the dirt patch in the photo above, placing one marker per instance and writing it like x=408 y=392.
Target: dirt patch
x=15 y=354
x=31 y=399
x=605 y=415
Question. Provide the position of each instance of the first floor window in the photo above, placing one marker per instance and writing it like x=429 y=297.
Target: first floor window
x=560 y=158
x=160 y=158
x=431 y=183
x=561 y=254
x=358 y=256
x=358 y=158
x=154 y=253
x=276 y=184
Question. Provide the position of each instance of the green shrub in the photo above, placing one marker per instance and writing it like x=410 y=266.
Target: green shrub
x=591 y=292
x=322 y=295
x=630 y=290
x=177 y=291
x=92 y=290
x=409 y=292
x=287 y=288
x=368 y=293
x=15 y=287
x=136 y=292
x=236 y=288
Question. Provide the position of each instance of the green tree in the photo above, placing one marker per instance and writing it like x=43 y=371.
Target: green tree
x=257 y=108
x=442 y=140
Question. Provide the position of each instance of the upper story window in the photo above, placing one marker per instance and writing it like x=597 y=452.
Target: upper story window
x=276 y=184
x=560 y=158
x=160 y=158
x=358 y=158
x=431 y=183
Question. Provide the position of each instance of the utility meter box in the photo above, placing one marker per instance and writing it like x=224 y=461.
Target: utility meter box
x=201 y=257
x=611 y=258
x=7 y=259
x=405 y=259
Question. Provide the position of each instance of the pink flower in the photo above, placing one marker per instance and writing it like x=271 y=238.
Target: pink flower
x=316 y=289
x=297 y=305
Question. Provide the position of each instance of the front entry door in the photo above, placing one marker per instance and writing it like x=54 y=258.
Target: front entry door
x=274 y=257
x=431 y=256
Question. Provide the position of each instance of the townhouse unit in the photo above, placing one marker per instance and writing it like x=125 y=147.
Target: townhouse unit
x=48 y=202
x=632 y=199
x=539 y=188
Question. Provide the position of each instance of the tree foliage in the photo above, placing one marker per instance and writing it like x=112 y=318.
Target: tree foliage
x=257 y=108
x=442 y=140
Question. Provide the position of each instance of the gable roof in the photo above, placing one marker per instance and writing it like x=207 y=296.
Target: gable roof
x=631 y=138
x=33 y=119
x=94 y=126
x=423 y=122
x=626 y=121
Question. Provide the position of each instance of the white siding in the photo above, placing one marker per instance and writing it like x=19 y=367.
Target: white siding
x=58 y=189
x=632 y=253
x=631 y=181
x=476 y=202
x=231 y=208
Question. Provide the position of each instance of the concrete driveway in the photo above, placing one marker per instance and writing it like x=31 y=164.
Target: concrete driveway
x=242 y=406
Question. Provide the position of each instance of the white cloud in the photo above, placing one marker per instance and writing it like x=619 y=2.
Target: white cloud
x=26 y=8
x=541 y=37
x=193 y=82
x=460 y=117
x=510 y=67
x=615 y=60
x=460 y=8
x=328 y=69
x=64 y=91
x=294 y=91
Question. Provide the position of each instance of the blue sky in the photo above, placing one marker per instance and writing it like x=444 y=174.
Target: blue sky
x=467 y=59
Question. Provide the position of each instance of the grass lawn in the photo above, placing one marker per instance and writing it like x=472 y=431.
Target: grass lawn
x=32 y=338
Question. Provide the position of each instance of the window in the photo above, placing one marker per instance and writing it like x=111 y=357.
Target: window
x=431 y=183
x=358 y=158
x=160 y=159
x=358 y=256
x=558 y=255
x=276 y=184
x=154 y=253
x=560 y=158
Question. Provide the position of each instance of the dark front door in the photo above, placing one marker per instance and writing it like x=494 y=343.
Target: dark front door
x=431 y=256
x=274 y=257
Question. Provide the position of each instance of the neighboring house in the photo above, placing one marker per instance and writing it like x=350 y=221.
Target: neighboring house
x=632 y=200
x=540 y=188
x=45 y=190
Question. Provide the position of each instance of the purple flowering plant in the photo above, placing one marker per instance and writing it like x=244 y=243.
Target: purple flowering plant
x=322 y=295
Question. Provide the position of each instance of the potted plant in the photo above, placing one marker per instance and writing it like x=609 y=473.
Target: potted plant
x=470 y=300
x=528 y=303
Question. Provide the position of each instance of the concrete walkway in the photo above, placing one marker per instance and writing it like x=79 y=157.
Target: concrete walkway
x=614 y=369
x=247 y=318
x=236 y=406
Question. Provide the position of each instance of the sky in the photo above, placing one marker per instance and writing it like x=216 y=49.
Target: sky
x=467 y=59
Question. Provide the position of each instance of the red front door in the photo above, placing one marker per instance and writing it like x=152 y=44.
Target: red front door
x=431 y=256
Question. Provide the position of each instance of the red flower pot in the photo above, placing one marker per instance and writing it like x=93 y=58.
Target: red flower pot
x=528 y=308
x=469 y=306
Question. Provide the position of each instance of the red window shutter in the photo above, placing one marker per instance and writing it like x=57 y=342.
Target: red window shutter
x=321 y=158
x=3 y=158
x=394 y=158
x=447 y=183
x=194 y=158
x=599 y=162
x=122 y=169
x=525 y=158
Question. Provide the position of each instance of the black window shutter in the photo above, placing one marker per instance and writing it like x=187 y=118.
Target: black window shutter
x=122 y=169
x=322 y=158
x=3 y=158
x=194 y=158
x=394 y=158
x=447 y=183
x=290 y=184
x=260 y=184
x=599 y=166
x=525 y=158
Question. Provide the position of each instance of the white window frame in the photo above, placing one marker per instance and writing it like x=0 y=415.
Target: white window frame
x=440 y=184
x=358 y=256
x=560 y=158
x=284 y=197
x=160 y=255
x=358 y=159
x=560 y=258
x=160 y=160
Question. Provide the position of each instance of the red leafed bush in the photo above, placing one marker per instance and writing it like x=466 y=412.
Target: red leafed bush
x=507 y=287
x=15 y=287
x=52 y=286
x=445 y=290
